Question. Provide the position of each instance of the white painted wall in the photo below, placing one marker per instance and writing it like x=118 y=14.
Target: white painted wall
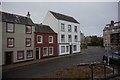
x=56 y=26
x=51 y=21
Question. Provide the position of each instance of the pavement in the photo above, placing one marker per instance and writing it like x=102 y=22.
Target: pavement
x=32 y=62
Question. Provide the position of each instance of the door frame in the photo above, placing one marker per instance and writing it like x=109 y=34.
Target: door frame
x=5 y=57
x=39 y=52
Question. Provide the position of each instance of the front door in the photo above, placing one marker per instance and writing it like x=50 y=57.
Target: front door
x=8 y=57
x=70 y=49
x=37 y=53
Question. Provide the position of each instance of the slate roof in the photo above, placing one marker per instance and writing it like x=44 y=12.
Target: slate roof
x=8 y=17
x=43 y=28
x=64 y=17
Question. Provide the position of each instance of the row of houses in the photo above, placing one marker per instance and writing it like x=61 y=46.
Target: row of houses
x=24 y=40
x=111 y=36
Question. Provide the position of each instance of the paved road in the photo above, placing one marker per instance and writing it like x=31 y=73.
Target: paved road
x=92 y=54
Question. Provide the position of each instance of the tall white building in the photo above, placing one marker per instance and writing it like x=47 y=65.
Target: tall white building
x=68 y=30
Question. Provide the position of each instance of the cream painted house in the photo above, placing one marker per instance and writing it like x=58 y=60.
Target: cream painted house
x=17 y=38
x=68 y=30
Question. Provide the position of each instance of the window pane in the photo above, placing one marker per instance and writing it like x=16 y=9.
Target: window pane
x=50 y=39
x=39 y=39
x=51 y=51
x=20 y=55
x=67 y=48
x=10 y=42
x=28 y=42
x=75 y=48
x=62 y=38
x=28 y=29
x=75 y=29
x=29 y=54
x=45 y=51
x=62 y=27
x=69 y=28
x=69 y=38
x=62 y=49
x=10 y=27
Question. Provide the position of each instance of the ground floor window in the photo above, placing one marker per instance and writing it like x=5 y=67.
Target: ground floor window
x=20 y=55
x=29 y=53
x=67 y=48
x=45 y=51
x=75 y=48
x=51 y=50
x=62 y=49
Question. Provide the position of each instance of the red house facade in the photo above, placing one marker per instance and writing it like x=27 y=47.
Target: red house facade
x=46 y=44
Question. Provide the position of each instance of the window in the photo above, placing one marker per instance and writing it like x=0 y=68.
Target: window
x=75 y=29
x=69 y=38
x=62 y=38
x=50 y=39
x=29 y=29
x=67 y=48
x=62 y=27
x=28 y=42
x=10 y=42
x=29 y=53
x=51 y=50
x=20 y=55
x=62 y=49
x=69 y=28
x=76 y=38
x=39 y=39
x=45 y=51
x=75 y=48
x=10 y=27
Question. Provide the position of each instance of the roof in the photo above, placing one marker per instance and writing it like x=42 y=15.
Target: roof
x=64 y=17
x=43 y=28
x=8 y=17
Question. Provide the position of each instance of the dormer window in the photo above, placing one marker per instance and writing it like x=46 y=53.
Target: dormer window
x=28 y=29
x=10 y=27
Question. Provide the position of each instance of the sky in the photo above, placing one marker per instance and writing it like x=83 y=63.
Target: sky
x=92 y=16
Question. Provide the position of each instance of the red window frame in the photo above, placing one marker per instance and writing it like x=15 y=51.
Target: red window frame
x=26 y=29
x=30 y=42
x=27 y=56
x=8 y=42
x=7 y=27
x=18 y=55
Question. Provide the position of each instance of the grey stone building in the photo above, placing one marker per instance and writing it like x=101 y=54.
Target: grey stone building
x=17 y=38
x=111 y=35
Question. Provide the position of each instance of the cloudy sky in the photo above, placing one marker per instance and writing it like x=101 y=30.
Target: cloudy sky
x=93 y=16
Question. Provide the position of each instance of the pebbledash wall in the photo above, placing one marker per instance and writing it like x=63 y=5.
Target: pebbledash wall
x=19 y=36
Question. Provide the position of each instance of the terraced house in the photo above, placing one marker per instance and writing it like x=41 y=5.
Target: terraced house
x=68 y=30
x=17 y=38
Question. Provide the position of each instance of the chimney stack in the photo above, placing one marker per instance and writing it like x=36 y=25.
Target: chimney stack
x=28 y=15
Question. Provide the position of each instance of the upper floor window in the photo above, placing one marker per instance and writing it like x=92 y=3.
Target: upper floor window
x=10 y=27
x=69 y=38
x=76 y=38
x=62 y=38
x=28 y=42
x=28 y=29
x=10 y=42
x=62 y=27
x=50 y=39
x=69 y=28
x=75 y=29
x=39 y=39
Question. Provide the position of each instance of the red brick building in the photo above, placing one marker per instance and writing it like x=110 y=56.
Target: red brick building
x=46 y=44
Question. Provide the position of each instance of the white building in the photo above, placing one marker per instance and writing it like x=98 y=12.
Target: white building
x=68 y=30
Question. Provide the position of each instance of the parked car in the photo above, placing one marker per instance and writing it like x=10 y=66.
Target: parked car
x=114 y=58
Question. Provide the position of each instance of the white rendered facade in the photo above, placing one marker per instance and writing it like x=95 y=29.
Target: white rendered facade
x=64 y=41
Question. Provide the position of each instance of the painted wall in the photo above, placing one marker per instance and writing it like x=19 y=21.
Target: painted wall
x=45 y=43
x=0 y=38
x=20 y=41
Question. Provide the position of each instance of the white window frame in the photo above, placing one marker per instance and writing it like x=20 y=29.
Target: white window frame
x=75 y=29
x=52 y=51
x=69 y=39
x=47 y=51
x=10 y=27
x=61 y=49
x=41 y=39
x=49 y=39
x=74 y=48
x=62 y=27
x=69 y=28
x=62 y=39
